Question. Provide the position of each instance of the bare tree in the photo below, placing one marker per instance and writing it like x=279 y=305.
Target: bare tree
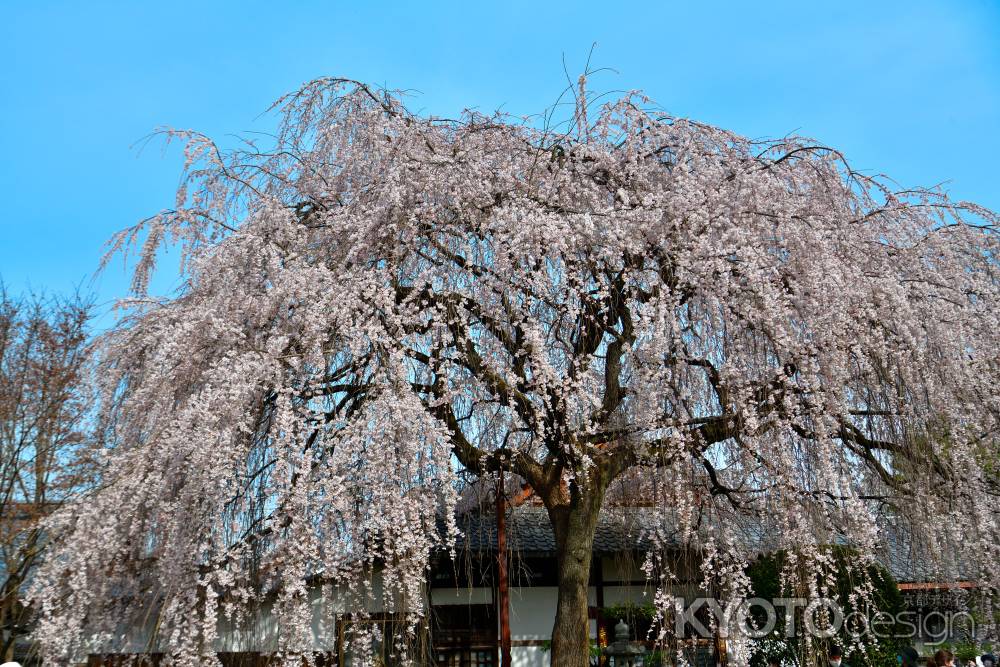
x=43 y=409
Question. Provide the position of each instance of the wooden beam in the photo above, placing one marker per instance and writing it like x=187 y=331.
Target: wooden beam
x=503 y=590
x=934 y=586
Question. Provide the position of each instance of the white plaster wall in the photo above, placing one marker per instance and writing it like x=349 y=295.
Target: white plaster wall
x=256 y=634
x=528 y=656
x=261 y=632
x=532 y=611
x=138 y=635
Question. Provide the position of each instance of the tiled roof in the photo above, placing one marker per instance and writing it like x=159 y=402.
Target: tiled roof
x=619 y=530
x=530 y=532
x=912 y=561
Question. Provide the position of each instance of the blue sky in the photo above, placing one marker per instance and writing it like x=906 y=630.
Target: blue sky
x=910 y=89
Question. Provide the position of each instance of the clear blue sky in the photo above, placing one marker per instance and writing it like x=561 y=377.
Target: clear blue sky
x=908 y=88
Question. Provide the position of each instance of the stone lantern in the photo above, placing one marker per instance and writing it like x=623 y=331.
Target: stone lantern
x=624 y=653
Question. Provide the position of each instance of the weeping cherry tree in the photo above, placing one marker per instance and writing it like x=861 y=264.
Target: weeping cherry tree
x=380 y=307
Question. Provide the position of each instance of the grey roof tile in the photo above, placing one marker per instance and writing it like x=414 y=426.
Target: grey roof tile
x=529 y=532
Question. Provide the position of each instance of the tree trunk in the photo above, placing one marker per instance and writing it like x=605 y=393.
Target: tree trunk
x=574 y=526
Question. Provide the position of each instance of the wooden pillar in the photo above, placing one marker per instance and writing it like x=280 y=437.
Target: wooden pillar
x=503 y=590
x=602 y=630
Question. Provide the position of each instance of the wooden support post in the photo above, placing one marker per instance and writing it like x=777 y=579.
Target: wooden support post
x=503 y=591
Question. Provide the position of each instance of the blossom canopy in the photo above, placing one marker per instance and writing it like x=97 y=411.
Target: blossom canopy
x=382 y=307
